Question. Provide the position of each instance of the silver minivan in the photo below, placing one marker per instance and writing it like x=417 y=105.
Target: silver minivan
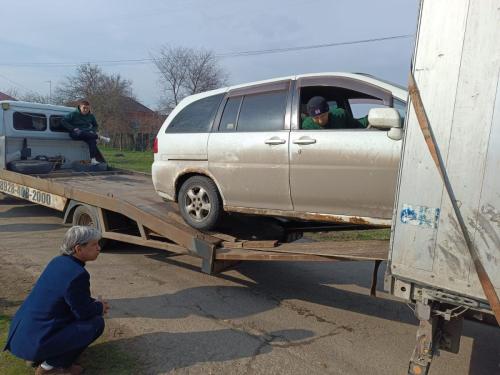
x=243 y=149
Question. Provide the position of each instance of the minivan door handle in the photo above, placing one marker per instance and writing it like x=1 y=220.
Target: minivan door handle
x=275 y=141
x=304 y=141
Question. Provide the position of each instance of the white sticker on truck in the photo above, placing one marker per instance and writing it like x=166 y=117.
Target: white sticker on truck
x=33 y=195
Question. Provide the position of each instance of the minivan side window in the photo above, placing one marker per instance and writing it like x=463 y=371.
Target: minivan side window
x=360 y=107
x=196 y=117
x=55 y=124
x=230 y=114
x=30 y=121
x=262 y=112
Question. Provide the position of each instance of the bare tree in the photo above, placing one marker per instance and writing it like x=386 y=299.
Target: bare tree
x=172 y=64
x=85 y=83
x=204 y=73
x=89 y=81
x=186 y=71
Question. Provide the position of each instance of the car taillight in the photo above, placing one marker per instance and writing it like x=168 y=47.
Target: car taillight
x=155 y=146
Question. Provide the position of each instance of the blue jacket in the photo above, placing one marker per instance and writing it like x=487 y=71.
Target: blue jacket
x=44 y=326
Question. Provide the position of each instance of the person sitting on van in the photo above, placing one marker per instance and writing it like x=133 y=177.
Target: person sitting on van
x=321 y=116
x=82 y=126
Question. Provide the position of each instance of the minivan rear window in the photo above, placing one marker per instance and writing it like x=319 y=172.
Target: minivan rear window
x=29 y=121
x=196 y=117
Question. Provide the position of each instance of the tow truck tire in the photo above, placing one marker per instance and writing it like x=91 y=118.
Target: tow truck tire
x=31 y=166
x=200 y=203
x=83 y=216
x=86 y=217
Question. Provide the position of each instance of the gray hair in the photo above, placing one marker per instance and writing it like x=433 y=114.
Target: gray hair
x=78 y=235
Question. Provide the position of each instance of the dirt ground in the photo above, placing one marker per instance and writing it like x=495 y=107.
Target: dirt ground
x=19 y=282
x=258 y=318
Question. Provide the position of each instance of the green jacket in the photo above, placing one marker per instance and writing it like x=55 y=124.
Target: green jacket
x=337 y=119
x=78 y=120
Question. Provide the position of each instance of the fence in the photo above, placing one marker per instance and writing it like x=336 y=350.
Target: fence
x=131 y=141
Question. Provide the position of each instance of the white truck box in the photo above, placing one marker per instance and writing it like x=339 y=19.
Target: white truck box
x=456 y=66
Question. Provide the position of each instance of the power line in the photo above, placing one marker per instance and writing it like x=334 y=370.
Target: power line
x=314 y=46
x=219 y=55
x=68 y=64
x=14 y=82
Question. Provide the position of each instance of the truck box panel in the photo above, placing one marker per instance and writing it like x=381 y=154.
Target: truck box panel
x=460 y=98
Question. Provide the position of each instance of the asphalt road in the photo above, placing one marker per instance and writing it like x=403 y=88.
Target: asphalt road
x=258 y=318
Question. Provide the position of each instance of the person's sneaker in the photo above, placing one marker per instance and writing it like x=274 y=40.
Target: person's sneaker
x=93 y=161
x=104 y=139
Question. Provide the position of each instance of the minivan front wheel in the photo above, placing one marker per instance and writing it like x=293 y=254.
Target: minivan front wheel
x=200 y=204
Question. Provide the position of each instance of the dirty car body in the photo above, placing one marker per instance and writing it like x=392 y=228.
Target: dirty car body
x=247 y=140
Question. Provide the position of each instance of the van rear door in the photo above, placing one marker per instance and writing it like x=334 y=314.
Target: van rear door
x=248 y=148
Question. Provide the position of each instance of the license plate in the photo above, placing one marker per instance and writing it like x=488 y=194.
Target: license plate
x=33 y=195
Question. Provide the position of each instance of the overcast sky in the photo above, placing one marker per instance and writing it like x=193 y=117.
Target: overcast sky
x=34 y=33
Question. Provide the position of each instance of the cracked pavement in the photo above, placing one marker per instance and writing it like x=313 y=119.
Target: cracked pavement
x=257 y=318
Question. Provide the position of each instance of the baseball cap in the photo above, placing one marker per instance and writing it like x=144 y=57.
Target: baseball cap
x=317 y=105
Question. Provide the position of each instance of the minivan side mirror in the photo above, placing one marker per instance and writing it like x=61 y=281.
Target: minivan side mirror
x=386 y=118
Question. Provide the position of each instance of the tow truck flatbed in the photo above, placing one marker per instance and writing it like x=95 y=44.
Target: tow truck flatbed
x=125 y=207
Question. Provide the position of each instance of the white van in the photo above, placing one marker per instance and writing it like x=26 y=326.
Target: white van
x=32 y=139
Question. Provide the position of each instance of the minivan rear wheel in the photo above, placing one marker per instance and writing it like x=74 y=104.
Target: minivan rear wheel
x=200 y=204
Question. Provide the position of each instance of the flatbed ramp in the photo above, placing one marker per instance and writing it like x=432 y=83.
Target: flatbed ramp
x=125 y=207
x=314 y=251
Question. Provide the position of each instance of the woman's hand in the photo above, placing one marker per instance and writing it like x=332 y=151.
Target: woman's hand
x=105 y=305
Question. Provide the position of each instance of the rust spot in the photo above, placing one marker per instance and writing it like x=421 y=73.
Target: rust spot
x=383 y=223
x=358 y=220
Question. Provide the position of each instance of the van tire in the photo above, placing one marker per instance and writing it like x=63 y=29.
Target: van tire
x=200 y=203
x=31 y=166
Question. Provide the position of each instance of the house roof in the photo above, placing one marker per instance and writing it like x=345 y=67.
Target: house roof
x=131 y=105
x=5 y=96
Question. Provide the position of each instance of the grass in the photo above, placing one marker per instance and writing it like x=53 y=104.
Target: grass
x=102 y=357
x=132 y=160
x=10 y=365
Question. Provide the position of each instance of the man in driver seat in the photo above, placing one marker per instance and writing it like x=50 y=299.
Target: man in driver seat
x=322 y=117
